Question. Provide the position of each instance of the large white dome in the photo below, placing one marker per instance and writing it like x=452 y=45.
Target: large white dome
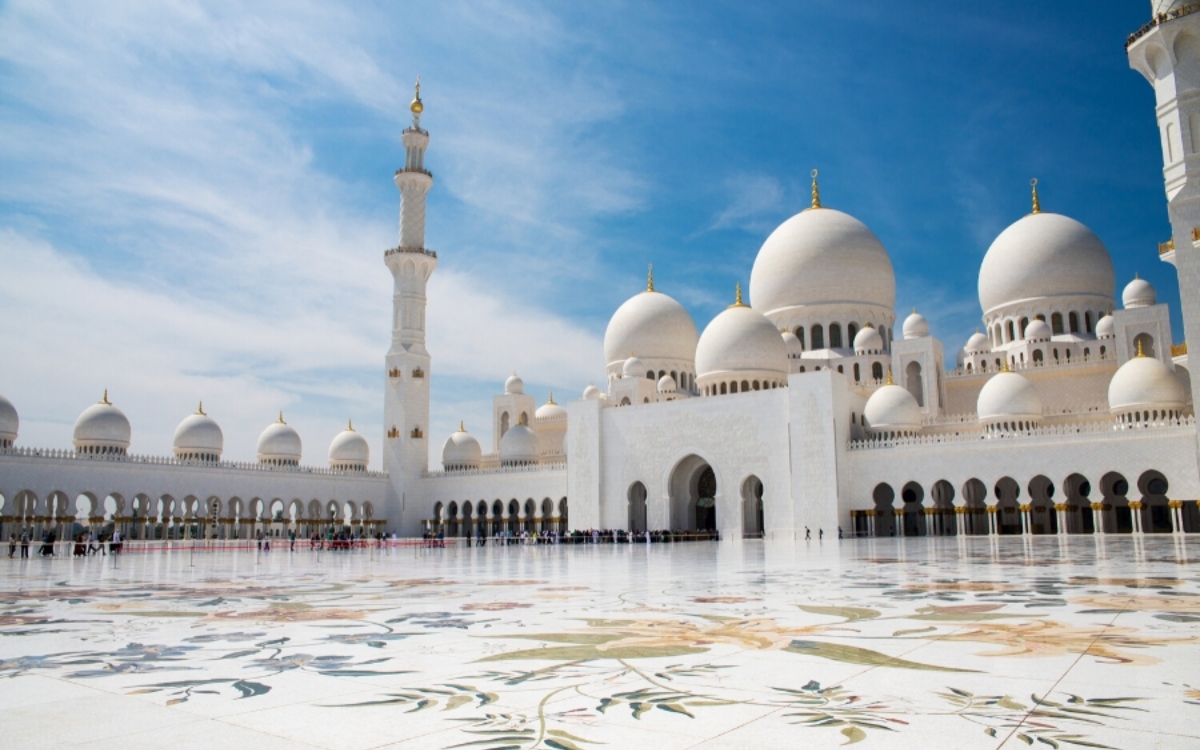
x=892 y=409
x=199 y=438
x=279 y=444
x=1008 y=397
x=461 y=450
x=1144 y=384
x=1044 y=255
x=349 y=450
x=741 y=339
x=9 y=422
x=821 y=256
x=518 y=446
x=651 y=325
x=102 y=428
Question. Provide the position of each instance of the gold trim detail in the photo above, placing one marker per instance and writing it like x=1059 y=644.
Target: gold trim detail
x=1037 y=205
x=816 y=191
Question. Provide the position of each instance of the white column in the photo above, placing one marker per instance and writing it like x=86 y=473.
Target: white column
x=992 y=510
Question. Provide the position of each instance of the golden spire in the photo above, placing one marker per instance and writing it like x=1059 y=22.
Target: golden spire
x=281 y=417
x=816 y=192
x=650 y=278
x=1037 y=206
x=105 y=399
x=1140 y=353
x=737 y=302
x=416 y=107
x=350 y=425
x=462 y=426
x=551 y=399
x=889 y=380
x=1004 y=365
x=200 y=409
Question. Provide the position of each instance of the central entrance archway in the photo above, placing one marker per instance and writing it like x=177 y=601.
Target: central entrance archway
x=693 y=488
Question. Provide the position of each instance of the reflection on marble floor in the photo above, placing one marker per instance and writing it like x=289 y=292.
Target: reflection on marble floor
x=1057 y=642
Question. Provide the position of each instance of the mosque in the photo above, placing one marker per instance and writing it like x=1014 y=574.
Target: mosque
x=796 y=409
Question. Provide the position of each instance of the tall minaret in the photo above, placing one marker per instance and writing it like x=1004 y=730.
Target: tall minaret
x=406 y=399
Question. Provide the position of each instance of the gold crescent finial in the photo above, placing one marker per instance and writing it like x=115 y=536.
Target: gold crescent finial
x=650 y=278
x=816 y=192
x=1037 y=206
x=281 y=417
x=200 y=409
x=889 y=380
x=416 y=107
x=105 y=400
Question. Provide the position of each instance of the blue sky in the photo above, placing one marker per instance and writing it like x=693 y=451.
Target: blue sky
x=194 y=199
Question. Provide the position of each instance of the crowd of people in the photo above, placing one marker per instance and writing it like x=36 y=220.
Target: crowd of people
x=506 y=537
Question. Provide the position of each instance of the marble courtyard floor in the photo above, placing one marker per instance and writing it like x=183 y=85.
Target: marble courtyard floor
x=931 y=643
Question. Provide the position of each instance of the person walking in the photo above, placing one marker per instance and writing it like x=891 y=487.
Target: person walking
x=25 y=543
x=292 y=540
x=820 y=534
x=807 y=534
x=12 y=544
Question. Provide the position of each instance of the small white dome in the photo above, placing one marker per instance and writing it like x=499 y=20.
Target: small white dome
x=633 y=368
x=868 y=341
x=514 y=385
x=741 y=339
x=1037 y=330
x=791 y=343
x=977 y=344
x=915 y=326
x=961 y=358
x=279 y=444
x=667 y=384
x=892 y=409
x=349 y=450
x=519 y=445
x=1106 y=327
x=652 y=325
x=461 y=450
x=199 y=438
x=1145 y=384
x=1138 y=293
x=1044 y=255
x=591 y=392
x=102 y=428
x=550 y=410
x=9 y=422
x=821 y=256
x=1008 y=397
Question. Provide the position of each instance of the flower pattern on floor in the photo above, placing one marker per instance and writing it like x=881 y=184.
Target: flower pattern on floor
x=765 y=645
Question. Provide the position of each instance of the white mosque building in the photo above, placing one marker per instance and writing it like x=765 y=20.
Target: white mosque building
x=797 y=408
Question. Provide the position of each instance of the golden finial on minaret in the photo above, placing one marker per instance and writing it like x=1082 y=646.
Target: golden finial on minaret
x=416 y=107
x=889 y=380
x=200 y=409
x=1037 y=206
x=105 y=400
x=816 y=192
x=281 y=417
x=650 y=278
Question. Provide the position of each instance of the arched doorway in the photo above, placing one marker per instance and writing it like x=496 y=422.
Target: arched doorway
x=913 y=496
x=883 y=495
x=1156 y=515
x=637 y=507
x=1043 y=518
x=752 y=506
x=693 y=492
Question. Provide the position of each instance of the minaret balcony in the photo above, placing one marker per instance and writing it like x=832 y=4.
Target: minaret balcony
x=1161 y=18
x=409 y=170
x=414 y=250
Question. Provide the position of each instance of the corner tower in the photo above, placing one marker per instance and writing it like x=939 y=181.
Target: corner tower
x=406 y=395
